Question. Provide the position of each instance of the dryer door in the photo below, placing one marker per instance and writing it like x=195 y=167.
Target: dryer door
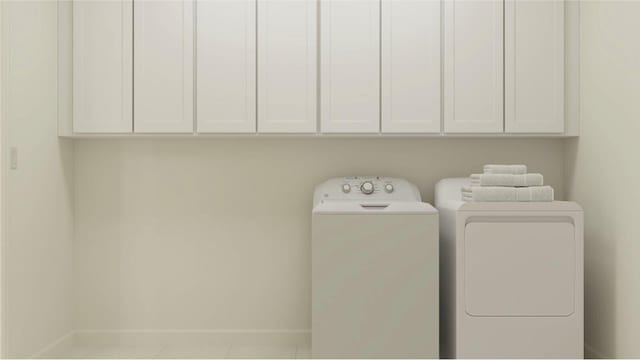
x=519 y=268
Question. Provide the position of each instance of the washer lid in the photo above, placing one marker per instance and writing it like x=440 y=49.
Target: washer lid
x=366 y=189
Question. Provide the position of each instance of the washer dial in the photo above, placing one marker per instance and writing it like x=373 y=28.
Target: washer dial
x=367 y=188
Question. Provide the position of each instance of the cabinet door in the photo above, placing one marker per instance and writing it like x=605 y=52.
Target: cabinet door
x=350 y=73
x=473 y=66
x=411 y=69
x=534 y=66
x=102 y=72
x=226 y=66
x=163 y=66
x=287 y=65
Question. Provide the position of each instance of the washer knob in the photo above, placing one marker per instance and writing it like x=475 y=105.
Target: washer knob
x=346 y=188
x=388 y=188
x=367 y=188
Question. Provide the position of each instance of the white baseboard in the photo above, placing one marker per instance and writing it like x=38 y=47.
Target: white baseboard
x=57 y=349
x=193 y=337
x=62 y=346
x=591 y=353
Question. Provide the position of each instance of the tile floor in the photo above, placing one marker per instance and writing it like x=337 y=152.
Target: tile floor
x=190 y=352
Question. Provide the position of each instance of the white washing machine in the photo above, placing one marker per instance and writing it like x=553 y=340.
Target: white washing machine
x=511 y=279
x=374 y=270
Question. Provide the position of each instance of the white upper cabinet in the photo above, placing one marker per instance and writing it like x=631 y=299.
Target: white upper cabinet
x=411 y=68
x=226 y=66
x=163 y=66
x=350 y=70
x=473 y=66
x=102 y=72
x=328 y=66
x=534 y=66
x=287 y=66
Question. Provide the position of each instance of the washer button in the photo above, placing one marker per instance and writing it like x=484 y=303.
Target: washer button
x=346 y=188
x=388 y=188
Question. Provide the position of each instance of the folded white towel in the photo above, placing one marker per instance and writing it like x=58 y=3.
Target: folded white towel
x=505 y=169
x=507 y=194
x=490 y=193
x=506 y=180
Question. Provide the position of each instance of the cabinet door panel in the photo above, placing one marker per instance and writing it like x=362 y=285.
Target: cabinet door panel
x=102 y=71
x=473 y=66
x=350 y=74
x=534 y=67
x=411 y=69
x=163 y=66
x=226 y=66
x=287 y=65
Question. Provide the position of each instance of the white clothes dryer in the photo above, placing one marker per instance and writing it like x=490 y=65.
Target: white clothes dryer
x=511 y=277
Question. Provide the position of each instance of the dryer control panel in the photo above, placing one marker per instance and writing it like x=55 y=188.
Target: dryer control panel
x=366 y=189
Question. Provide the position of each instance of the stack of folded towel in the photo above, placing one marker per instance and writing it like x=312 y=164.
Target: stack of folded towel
x=507 y=183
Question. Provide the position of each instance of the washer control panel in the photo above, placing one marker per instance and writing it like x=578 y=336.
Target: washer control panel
x=366 y=189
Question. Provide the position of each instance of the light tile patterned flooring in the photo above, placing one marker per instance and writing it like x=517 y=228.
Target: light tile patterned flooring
x=190 y=352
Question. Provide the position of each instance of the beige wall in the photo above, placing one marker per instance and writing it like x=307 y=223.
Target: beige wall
x=603 y=172
x=3 y=169
x=39 y=229
x=215 y=234
x=162 y=239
